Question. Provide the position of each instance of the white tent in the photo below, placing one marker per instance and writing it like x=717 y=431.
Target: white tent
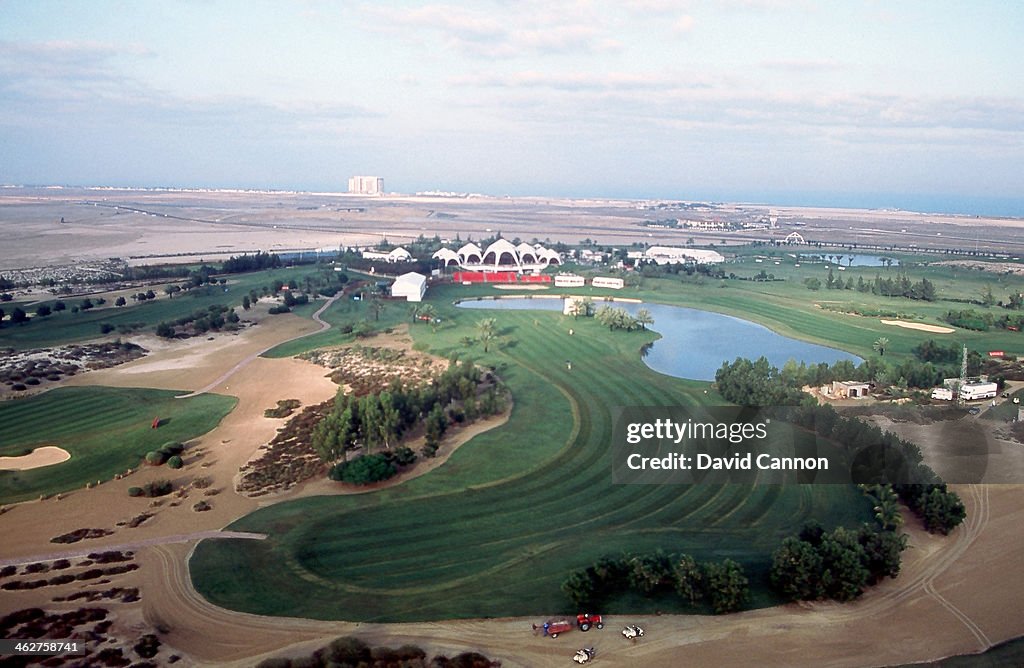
x=412 y=286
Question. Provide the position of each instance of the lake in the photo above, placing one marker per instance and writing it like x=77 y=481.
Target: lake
x=694 y=343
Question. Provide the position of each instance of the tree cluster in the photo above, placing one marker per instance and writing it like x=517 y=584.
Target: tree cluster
x=940 y=509
x=722 y=585
x=875 y=456
x=836 y=565
x=215 y=317
x=982 y=321
x=618 y=318
x=245 y=263
x=376 y=420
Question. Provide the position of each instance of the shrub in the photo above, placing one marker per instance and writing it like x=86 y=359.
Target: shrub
x=148 y=646
x=172 y=448
x=134 y=491
x=404 y=456
x=364 y=470
x=175 y=462
x=155 y=458
x=157 y=488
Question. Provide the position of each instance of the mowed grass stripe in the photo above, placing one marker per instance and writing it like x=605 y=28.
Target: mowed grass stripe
x=106 y=431
x=446 y=547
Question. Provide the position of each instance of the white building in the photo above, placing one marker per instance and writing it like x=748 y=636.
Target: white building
x=568 y=281
x=607 y=282
x=675 y=255
x=397 y=255
x=850 y=389
x=412 y=286
x=366 y=185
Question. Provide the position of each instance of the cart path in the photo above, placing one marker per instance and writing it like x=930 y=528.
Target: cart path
x=134 y=545
x=248 y=360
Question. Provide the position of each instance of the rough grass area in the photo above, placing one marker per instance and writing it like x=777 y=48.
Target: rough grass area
x=67 y=327
x=107 y=431
x=496 y=530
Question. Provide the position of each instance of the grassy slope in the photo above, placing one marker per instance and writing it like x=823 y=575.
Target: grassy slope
x=68 y=327
x=496 y=530
x=494 y=534
x=106 y=430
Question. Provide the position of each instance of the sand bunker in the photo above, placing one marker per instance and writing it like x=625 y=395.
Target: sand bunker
x=935 y=329
x=44 y=456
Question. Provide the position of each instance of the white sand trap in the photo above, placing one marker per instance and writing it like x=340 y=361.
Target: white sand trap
x=935 y=329
x=44 y=456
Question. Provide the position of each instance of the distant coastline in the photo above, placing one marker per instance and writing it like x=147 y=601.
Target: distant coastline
x=940 y=204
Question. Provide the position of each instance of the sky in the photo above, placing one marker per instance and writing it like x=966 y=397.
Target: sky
x=743 y=100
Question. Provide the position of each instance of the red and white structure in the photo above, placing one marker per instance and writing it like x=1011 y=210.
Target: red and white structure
x=502 y=255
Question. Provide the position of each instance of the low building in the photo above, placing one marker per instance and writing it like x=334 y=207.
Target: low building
x=850 y=389
x=675 y=255
x=397 y=255
x=607 y=282
x=569 y=281
x=412 y=286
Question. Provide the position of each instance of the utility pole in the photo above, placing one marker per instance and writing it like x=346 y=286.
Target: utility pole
x=963 y=378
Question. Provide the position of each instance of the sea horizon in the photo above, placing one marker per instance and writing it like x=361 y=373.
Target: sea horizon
x=948 y=204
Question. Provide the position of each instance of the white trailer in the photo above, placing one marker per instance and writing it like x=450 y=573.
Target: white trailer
x=942 y=393
x=974 y=391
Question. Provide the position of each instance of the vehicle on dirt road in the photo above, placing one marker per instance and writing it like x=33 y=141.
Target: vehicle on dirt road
x=584 y=655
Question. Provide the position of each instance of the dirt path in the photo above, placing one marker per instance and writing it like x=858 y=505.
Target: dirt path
x=252 y=356
x=921 y=615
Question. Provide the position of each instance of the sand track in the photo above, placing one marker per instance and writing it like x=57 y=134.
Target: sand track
x=905 y=612
x=252 y=356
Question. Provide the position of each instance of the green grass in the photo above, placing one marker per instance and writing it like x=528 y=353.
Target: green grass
x=107 y=430
x=342 y=312
x=496 y=530
x=67 y=327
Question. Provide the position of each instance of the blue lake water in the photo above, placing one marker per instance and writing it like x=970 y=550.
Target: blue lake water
x=694 y=343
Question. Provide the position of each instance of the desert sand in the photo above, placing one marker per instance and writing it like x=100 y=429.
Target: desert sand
x=47 y=455
x=70 y=225
x=920 y=326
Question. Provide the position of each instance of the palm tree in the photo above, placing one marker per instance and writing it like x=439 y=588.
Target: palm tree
x=880 y=345
x=488 y=329
x=414 y=311
x=644 y=318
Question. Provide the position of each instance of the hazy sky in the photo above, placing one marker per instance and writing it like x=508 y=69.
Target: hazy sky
x=672 y=98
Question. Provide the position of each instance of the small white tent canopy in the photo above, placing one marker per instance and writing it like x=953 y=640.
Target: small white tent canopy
x=412 y=286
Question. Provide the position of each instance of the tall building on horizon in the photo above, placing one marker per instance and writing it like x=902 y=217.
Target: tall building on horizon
x=366 y=185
